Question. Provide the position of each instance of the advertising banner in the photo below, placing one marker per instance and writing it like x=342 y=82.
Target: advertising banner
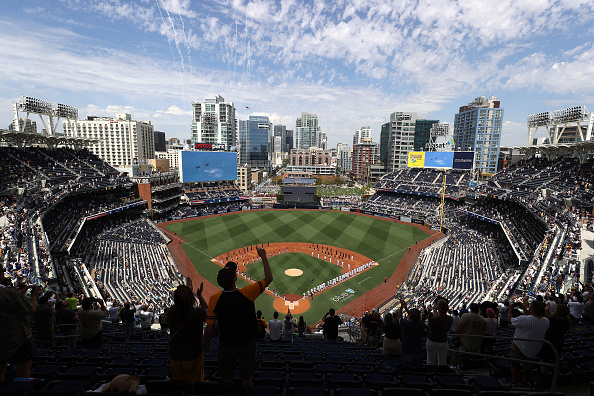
x=439 y=159
x=463 y=159
x=416 y=159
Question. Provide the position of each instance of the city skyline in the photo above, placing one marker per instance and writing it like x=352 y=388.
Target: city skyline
x=351 y=65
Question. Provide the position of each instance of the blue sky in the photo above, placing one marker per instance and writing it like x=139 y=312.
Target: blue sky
x=352 y=62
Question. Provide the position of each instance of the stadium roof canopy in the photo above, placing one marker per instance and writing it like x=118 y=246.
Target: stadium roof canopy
x=23 y=139
x=581 y=149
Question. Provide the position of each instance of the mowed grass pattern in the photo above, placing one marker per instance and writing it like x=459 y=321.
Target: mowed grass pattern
x=380 y=240
x=312 y=267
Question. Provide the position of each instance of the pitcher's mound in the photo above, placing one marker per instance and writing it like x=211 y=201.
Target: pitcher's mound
x=293 y=272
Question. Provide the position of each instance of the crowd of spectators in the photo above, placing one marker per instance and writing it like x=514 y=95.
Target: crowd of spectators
x=425 y=181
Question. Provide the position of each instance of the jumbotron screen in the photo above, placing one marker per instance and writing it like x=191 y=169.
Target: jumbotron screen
x=207 y=166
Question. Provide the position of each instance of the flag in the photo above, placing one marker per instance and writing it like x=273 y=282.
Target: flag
x=249 y=108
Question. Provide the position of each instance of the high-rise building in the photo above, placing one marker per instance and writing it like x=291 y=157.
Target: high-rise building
x=25 y=125
x=288 y=141
x=308 y=132
x=254 y=141
x=122 y=142
x=423 y=134
x=405 y=132
x=364 y=153
x=278 y=140
x=364 y=132
x=384 y=143
x=214 y=122
x=159 y=141
x=401 y=139
x=345 y=158
x=477 y=127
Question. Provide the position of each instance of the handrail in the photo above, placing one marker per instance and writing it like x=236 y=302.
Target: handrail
x=556 y=365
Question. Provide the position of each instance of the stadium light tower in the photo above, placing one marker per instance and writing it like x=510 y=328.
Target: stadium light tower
x=53 y=111
x=578 y=119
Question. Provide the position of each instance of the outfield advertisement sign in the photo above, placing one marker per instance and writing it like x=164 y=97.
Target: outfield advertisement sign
x=342 y=297
x=463 y=160
x=441 y=159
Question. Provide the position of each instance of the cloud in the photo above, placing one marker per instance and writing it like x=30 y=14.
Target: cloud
x=172 y=111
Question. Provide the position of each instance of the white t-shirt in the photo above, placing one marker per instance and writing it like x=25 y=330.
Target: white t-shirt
x=275 y=327
x=576 y=308
x=528 y=326
x=146 y=319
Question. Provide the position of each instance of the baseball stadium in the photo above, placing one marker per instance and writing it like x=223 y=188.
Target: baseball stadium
x=75 y=227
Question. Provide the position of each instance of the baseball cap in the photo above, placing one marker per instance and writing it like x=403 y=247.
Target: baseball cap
x=226 y=275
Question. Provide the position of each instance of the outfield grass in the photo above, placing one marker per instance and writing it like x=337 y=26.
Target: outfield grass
x=383 y=241
x=313 y=268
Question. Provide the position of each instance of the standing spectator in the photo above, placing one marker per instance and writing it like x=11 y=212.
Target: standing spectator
x=375 y=329
x=44 y=319
x=532 y=324
x=186 y=320
x=275 y=326
x=113 y=312
x=72 y=302
x=411 y=349
x=471 y=323
x=455 y=321
x=301 y=326
x=588 y=312
x=234 y=309
x=146 y=319
x=491 y=321
x=437 y=338
x=289 y=327
x=67 y=321
x=91 y=329
x=330 y=327
x=463 y=310
x=576 y=307
x=127 y=314
x=558 y=325
x=262 y=326
x=503 y=311
x=392 y=336
x=551 y=305
x=163 y=320
x=17 y=345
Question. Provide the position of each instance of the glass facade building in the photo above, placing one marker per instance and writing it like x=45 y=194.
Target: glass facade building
x=477 y=127
x=254 y=142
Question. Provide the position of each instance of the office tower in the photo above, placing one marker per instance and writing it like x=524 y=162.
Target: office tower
x=254 y=141
x=214 y=122
x=159 y=141
x=307 y=132
x=289 y=141
x=423 y=134
x=364 y=132
x=477 y=127
x=122 y=142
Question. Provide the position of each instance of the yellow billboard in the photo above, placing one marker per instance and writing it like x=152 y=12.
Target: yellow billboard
x=416 y=159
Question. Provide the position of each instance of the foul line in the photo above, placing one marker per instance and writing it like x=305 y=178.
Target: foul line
x=193 y=247
x=401 y=250
x=369 y=277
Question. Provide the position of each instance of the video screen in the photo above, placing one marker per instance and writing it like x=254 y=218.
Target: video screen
x=207 y=166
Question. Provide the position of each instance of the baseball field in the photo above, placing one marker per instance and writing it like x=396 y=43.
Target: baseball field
x=296 y=270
